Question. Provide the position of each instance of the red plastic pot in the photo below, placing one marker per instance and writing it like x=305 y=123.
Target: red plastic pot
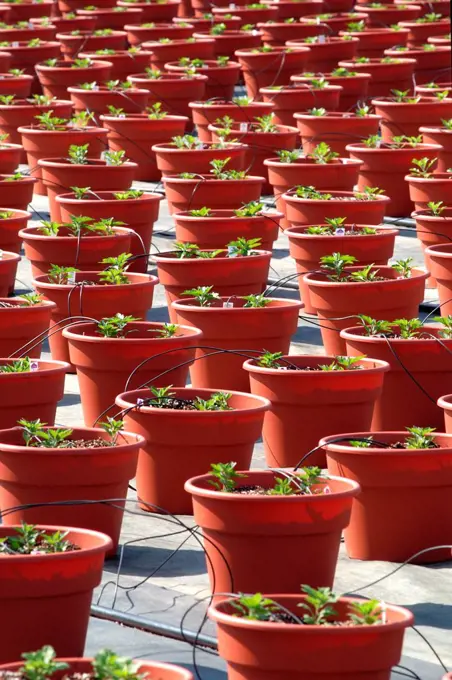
x=440 y=261
x=123 y=62
x=230 y=276
x=226 y=42
x=336 y=129
x=443 y=137
x=259 y=542
x=66 y=23
x=308 y=405
x=336 y=21
x=10 y=157
x=386 y=168
x=277 y=33
x=221 y=78
x=30 y=395
x=268 y=69
x=56 y=79
x=304 y=211
x=432 y=230
x=29 y=475
x=66 y=250
x=21 y=324
x=140 y=33
x=354 y=88
x=390 y=299
x=192 y=194
x=24 y=57
x=98 y=101
x=153 y=11
x=424 y=190
x=137 y=133
x=397 y=486
x=16 y=194
x=307 y=249
x=40 y=144
x=429 y=362
x=11 y=222
x=179 y=443
x=59 y=175
x=290 y=100
x=445 y=404
x=24 y=11
x=326 y=51
x=236 y=328
x=139 y=214
x=98 y=301
x=390 y=14
x=287 y=9
x=51 y=592
x=385 y=74
x=374 y=41
x=174 y=89
x=403 y=118
x=249 y=14
x=86 y=40
x=113 y=17
x=423 y=32
x=104 y=364
x=8 y=268
x=205 y=113
x=172 y=160
x=258 y=649
x=430 y=65
x=162 y=53
x=19 y=86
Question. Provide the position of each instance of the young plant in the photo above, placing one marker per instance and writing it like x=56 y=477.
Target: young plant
x=115 y=157
x=317 y=603
x=335 y=265
x=62 y=275
x=47 y=121
x=31 y=299
x=423 y=167
x=219 y=172
x=28 y=540
x=420 y=438
x=112 y=427
x=322 y=154
x=408 y=328
x=373 y=327
x=436 y=208
x=403 y=267
x=35 y=434
x=203 y=295
x=255 y=301
x=446 y=322
x=365 y=613
x=78 y=155
x=342 y=364
x=243 y=247
x=42 y=664
x=115 y=326
x=250 y=209
x=18 y=366
x=225 y=476
x=155 y=112
x=115 y=274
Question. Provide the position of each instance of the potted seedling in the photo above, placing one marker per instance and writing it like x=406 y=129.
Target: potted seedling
x=312 y=630
x=113 y=18
x=77 y=295
x=214 y=111
x=433 y=227
x=325 y=50
x=432 y=61
x=206 y=425
x=342 y=290
x=373 y=40
x=222 y=74
x=440 y=134
x=25 y=54
x=279 y=32
x=416 y=466
x=115 y=94
x=55 y=75
x=123 y=62
x=275 y=523
x=106 y=352
x=188 y=266
x=24 y=322
x=16 y=191
x=177 y=90
x=137 y=209
x=226 y=40
x=76 y=41
x=403 y=113
x=234 y=323
x=8 y=269
x=354 y=85
x=114 y=171
x=167 y=50
x=11 y=222
x=290 y=99
x=439 y=258
x=51 y=136
x=385 y=71
x=267 y=66
x=425 y=185
x=422 y=28
x=189 y=154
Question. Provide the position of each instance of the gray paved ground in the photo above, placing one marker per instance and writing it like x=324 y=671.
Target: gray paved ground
x=181 y=581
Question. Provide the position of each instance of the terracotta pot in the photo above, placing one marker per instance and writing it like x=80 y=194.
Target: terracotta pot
x=25 y=58
x=422 y=32
x=179 y=443
x=84 y=41
x=123 y=62
x=205 y=113
x=427 y=89
x=205 y=23
x=66 y=23
x=236 y=328
x=193 y=194
x=277 y=33
x=248 y=14
x=226 y=42
x=430 y=65
x=385 y=74
x=221 y=79
x=230 y=276
x=336 y=21
x=326 y=51
x=59 y=175
x=261 y=145
x=16 y=194
x=287 y=9
x=19 y=86
x=340 y=176
x=172 y=160
x=438 y=6
x=11 y=222
x=104 y=364
x=174 y=90
x=29 y=475
x=56 y=79
x=139 y=33
x=443 y=137
x=268 y=69
x=283 y=535
x=440 y=260
x=354 y=88
x=139 y=214
x=397 y=485
x=386 y=168
x=52 y=592
x=113 y=17
x=10 y=156
x=403 y=118
x=66 y=250
x=21 y=324
x=439 y=40
x=22 y=112
x=30 y=395
x=390 y=14
x=132 y=100
x=291 y=99
x=8 y=268
x=445 y=404
x=336 y=129
x=162 y=53
x=432 y=230
x=166 y=671
x=390 y=299
x=39 y=143
x=154 y=11
x=423 y=190
x=309 y=404
x=374 y=41
x=74 y=5
x=293 y=650
x=303 y=211
x=429 y=362
x=307 y=249
x=23 y=11
x=134 y=298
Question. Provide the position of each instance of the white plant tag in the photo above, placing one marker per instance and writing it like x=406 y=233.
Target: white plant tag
x=228 y=305
x=1 y=254
x=232 y=252
x=140 y=402
x=243 y=127
x=340 y=231
x=34 y=366
x=71 y=277
x=384 y=615
x=322 y=38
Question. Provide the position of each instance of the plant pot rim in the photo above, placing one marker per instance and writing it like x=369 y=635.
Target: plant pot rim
x=8 y=257
x=43 y=282
x=192 y=486
x=32 y=234
x=329 y=40
x=183 y=673
x=168 y=257
x=132 y=117
x=104 y=543
x=62 y=69
x=376 y=62
x=221 y=618
x=93 y=163
x=85 y=33
x=299 y=232
x=18 y=449
x=420 y=214
x=21 y=307
x=445 y=402
x=23 y=45
x=336 y=195
x=414 y=24
x=147 y=197
x=435 y=129
x=342 y=115
x=423 y=103
x=375 y=29
x=209 y=65
x=374 y=365
x=224 y=213
x=177 y=42
x=168 y=77
x=116 y=53
x=186 y=304
x=26 y=179
x=53 y=366
x=437 y=178
x=354 y=332
x=228 y=33
x=70 y=333
x=276 y=49
x=124 y=400
x=17 y=215
x=224 y=102
x=103 y=90
x=406 y=150
x=160 y=24
x=175 y=179
x=280 y=129
x=383 y=451
x=165 y=146
x=287 y=90
x=6 y=146
x=360 y=75
x=307 y=162
x=415 y=50
x=30 y=130
x=443 y=250
x=312 y=277
x=19 y=104
x=107 y=11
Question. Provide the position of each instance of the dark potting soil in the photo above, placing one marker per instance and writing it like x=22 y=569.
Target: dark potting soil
x=82 y=444
x=173 y=403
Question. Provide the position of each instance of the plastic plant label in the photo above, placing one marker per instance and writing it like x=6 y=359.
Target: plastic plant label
x=1 y=254
x=340 y=231
x=384 y=617
x=327 y=489
x=232 y=252
x=322 y=38
x=317 y=19
x=34 y=366
x=15 y=44
x=228 y=304
x=71 y=277
x=243 y=127
x=232 y=5
x=140 y=402
x=255 y=32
